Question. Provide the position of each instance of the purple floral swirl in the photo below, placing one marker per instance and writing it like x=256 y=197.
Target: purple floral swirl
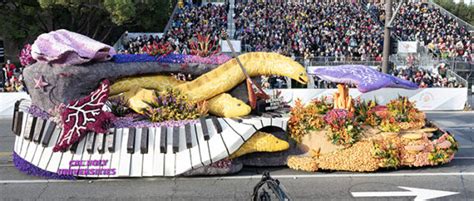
x=38 y=112
x=127 y=122
x=26 y=167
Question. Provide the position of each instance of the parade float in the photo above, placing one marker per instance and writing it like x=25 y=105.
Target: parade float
x=94 y=113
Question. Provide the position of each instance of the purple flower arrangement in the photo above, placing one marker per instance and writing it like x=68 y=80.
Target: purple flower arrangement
x=171 y=105
x=171 y=58
x=38 y=112
x=129 y=121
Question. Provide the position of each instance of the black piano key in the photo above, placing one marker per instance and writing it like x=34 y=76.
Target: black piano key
x=239 y=120
x=39 y=130
x=48 y=134
x=112 y=136
x=73 y=147
x=217 y=125
x=205 y=131
x=14 y=122
x=18 y=122
x=187 y=131
x=144 y=141
x=90 y=142
x=131 y=141
x=163 y=139
x=175 y=139
x=31 y=129
x=101 y=147
x=16 y=109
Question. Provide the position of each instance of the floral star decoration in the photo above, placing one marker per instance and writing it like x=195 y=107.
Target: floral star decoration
x=40 y=83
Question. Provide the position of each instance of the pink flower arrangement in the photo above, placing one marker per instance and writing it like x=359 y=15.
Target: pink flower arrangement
x=213 y=59
x=25 y=56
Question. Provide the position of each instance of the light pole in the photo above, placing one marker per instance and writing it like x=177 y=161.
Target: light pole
x=386 y=35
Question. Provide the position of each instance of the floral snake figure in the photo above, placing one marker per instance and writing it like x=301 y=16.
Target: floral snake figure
x=212 y=86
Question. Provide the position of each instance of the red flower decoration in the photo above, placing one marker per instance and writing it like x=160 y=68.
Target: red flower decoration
x=84 y=115
x=381 y=111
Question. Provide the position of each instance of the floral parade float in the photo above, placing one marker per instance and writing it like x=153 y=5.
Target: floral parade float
x=94 y=114
x=349 y=135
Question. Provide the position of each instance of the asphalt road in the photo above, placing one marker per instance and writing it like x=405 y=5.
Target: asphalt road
x=457 y=178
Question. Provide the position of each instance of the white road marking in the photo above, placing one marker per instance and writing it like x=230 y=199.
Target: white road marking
x=301 y=176
x=331 y=175
x=418 y=193
x=464 y=158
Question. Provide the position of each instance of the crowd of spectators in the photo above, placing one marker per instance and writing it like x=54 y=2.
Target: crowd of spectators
x=11 y=78
x=208 y=20
x=341 y=31
x=440 y=33
x=329 y=29
x=424 y=78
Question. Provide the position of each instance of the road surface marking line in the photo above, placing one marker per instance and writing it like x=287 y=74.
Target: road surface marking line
x=354 y=175
x=37 y=181
x=3 y=154
x=464 y=158
x=251 y=177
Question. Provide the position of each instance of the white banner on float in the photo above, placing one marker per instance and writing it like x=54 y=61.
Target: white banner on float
x=425 y=99
x=7 y=102
x=407 y=46
x=235 y=44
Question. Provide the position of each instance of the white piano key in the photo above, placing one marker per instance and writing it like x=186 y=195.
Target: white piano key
x=125 y=157
x=106 y=155
x=231 y=138
x=255 y=121
x=55 y=160
x=244 y=130
x=37 y=157
x=285 y=123
x=47 y=154
x=30 y=152
x=19 y=140
x=91 y=141
x=183 y=157
x=170 y=156
x=40 y=148
x=266 y=121
x=32 y=148
x=26 y=143
x=148 y=157
x=203 y=145
x=16 y=144
x=65 y=159
x=137 y=158
x=111 y=139
x=96 y=156
x=115 y=156
x=81 y=154
x=158 y=157
x=195 y=149
x=217 y=148
x=278 y=122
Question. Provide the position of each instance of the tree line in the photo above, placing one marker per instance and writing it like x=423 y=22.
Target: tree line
x=104 y=20
x=461 y=10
